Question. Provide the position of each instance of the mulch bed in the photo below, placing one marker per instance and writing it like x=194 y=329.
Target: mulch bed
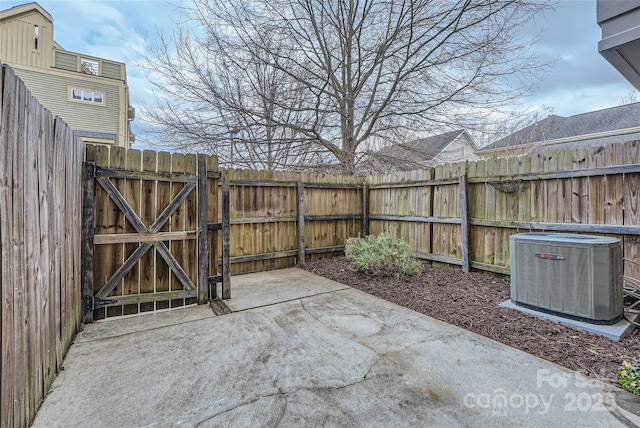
x=470 y=301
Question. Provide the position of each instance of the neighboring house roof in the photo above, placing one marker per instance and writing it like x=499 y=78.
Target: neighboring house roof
x=416 y=154
x=601 y=127
x=423 y=149
x=102 y=135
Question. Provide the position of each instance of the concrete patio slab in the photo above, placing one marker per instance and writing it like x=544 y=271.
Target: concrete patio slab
x=332 y=358
x=255 y=290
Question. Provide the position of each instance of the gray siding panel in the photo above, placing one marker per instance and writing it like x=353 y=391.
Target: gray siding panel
x=111 y=70
x=53 y=92
x=66 y=61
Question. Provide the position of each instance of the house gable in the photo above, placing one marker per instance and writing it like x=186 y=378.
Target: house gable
x=26 y=36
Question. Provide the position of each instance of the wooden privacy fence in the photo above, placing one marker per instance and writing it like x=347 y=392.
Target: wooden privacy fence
x=40 y=217
x=460 y=214
x=279 y=219
x=594 y=191
x=151 y=231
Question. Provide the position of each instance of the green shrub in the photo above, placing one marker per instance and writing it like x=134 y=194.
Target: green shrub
x=382 y=255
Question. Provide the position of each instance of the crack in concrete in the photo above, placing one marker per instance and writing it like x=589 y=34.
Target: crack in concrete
x=284 y=409
x=241 y=404
x=293 y=299
x=375 y=363
x=304 y=308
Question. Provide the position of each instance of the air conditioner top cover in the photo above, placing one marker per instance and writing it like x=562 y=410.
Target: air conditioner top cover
x=565 y=238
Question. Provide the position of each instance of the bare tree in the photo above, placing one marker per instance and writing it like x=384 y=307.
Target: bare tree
x=309 y=79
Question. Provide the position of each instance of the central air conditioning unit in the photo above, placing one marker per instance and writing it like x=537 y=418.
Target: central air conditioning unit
x=574 y=276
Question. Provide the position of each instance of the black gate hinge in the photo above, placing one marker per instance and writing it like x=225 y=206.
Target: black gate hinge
x=92 y=303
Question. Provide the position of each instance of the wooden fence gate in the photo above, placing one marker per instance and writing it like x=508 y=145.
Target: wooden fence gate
x=151 y=232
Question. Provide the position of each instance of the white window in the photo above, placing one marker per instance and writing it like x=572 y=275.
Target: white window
x=36 y=33
x=87 y=96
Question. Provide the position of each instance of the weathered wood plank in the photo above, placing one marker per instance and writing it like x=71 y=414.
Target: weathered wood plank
x=561 y=227
x=104 y=211
x=46 y=283
x=165 y=206
x=550 y=164
x=18 y=261
x=490 y=213
x=614 y=192
x=464 y=213
x=190 y=262
x=7 y=137
x=147 y=217
x=213 y=216
x=157 y=297
x=117 y=159
x=56 y=293
x=435 y=220
x=259 y=257
x=631 y=187
x=203 y=247
x=132 y=196
x=524 y=192
x=438 y=258
x=579 y=189
x=596 y=206
x=33 y=274
x=127 y=238
x=219 y=307
x=365 y=209
x=501 y=244
x=565 y=161
x=161 y=175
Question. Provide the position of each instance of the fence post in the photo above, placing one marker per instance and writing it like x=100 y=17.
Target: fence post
x=365 y=209
x=226 y=237
x=203 y=231
x=464 y=214
x=300 y=223
x=88 y=227
x=432 y=189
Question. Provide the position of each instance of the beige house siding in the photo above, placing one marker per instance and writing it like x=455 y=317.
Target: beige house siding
x=111 y=70
x=50 y=72
x=460 y=150
x=53 y=92
x=66 y=61
x=17 y=41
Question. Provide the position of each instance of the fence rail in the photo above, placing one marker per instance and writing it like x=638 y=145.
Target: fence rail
x=40 y=218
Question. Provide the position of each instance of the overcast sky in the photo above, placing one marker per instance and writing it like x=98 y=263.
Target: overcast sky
x=580 y=81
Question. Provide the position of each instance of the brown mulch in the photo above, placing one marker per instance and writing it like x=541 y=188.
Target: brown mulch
x=470 y=301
